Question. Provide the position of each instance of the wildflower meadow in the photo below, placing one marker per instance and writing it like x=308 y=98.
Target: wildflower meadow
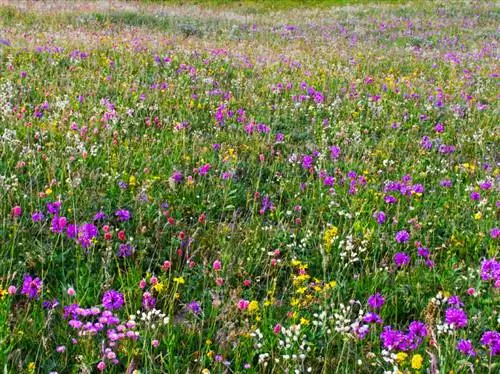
x=249 y=187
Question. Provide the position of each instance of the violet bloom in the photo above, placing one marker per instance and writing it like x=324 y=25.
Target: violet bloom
x=123 y=215
x=402 y=236
x=113 y=300
x=177 y=177
x=280 y=138
x=446 y=183
x=401 y=259
x=53 y=208
x=417 y=329
x=490 y=270
x=389 y=199
x=455 y=301
x=334 y=152
x=32 y=287
x=193 y=307
x=491 y=339
x=37 y=216
x=456 y=317
x=307 y=161
x=58 y=224
x=100 y=215
x=394 y=339
x=376 y=301
x=372 y=318
x=475 y=195
x=125 y=250
x=423 y=251
x=495 y=232
x=380 y=217
x=148 y=301
x=465 y=347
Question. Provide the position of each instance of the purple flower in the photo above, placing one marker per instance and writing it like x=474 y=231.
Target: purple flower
x=194 y=307
x=113 y=300
x=203 y=170
x=389 y=199
x=31 y=287
x=492 y=340
x=475 y=195
x=100 y=216
x=465 y=347
x=58 y=224
x=401 y=259
x=125 y=250
x=394 y=339
x=123 y=215
x=177 y=176
x=402 y=236
x=380 y=217
x=148 y=301
x=53 y=208
x=495 y=232
x=423 y=251
x=456 y=317
x=490 y=270
x=446 y=183
x=372 y=318
x=37 y=216
x=334 y=152
x=417 y=329
x=307 y=161
x=455 y=301
x=280 y=138
x=376 y=301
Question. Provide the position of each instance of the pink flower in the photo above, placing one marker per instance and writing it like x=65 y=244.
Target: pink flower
x=247 y=282
x=16 y=211
x=277 y=328
x=153 y=280
x=71 y=291
x=12 y=290
x=142 y=284
x=217 y=265
x=243 y=304
x=101 y=366
x=471 y=291
x=219 y=281
x=166 y=265
x=155 y=343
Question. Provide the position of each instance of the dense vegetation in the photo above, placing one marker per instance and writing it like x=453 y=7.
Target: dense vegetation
x=235 y=189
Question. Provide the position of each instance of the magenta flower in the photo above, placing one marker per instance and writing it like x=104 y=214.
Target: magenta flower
x=456 y=317
x=401 y=259
x=376 y=301
x=113 y=300
x=465 y=347
x=32 y=287
x=402 y=236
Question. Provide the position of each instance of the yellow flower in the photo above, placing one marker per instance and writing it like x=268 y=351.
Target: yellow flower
x=301 y=290
x=416 y=361
x=294 y=302
x=478 y=215
x=331 y=284
x=304 y=321
x=205 y=371
x=2 y=293
x=253 y=306
x=31 y=367
x=179 y=280
x=48 y=191
x=132 y=181
x=159 y=287
x=295 y=263
x=401 y=356
x=329 y=236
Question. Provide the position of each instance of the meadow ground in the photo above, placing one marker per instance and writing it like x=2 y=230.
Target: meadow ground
x=235 y=187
